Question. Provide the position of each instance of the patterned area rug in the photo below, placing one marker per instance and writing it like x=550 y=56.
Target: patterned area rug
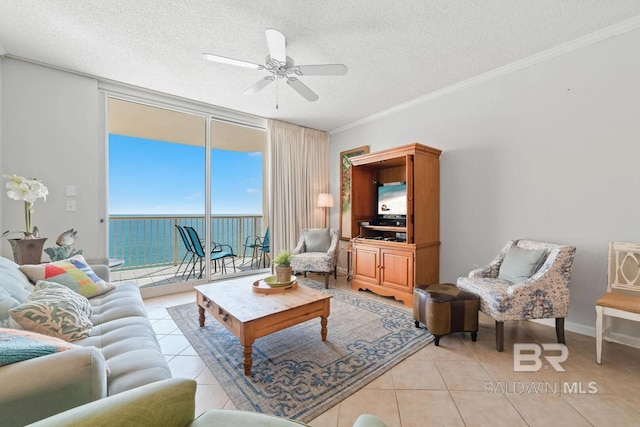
x=295 y=374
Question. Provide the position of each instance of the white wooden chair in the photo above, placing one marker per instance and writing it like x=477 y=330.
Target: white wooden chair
x=623 y=290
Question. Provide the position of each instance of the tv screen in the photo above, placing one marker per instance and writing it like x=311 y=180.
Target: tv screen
x=392 y=199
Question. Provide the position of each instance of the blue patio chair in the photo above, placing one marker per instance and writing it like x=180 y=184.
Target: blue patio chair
x=189 y=251
x=265 y=249
x=256 y=244
x=216 y=255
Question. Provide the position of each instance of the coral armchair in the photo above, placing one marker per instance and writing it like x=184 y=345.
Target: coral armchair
x=527 y=280
x=317 y=252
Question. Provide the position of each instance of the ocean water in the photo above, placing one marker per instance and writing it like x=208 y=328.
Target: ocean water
x=144 y=241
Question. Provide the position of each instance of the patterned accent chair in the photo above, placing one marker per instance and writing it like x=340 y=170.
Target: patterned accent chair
x=317 y=252
x=536 y=285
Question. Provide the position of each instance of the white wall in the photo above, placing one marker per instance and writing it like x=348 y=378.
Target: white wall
x=52 y=131
x=2 y=227
x=549 y=153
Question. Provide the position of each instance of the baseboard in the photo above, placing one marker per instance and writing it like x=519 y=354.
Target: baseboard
x=578 y=328
x=590 y=331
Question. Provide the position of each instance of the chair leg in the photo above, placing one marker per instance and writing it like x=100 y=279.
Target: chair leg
x=186 y=266
x=182 y=262
x=560 y=330
x=335 y=272
x=599 y=334
x=201 y=269
x=193 y=270
x=326 y=280
x=499 y=336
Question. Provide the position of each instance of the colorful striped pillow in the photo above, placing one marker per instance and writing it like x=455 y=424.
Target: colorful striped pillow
x=74 y=273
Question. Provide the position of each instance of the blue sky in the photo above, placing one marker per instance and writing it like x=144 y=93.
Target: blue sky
x=155 y=178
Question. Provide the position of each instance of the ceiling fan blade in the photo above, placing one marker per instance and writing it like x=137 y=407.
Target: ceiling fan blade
x=231 y=61
x=321 y=70
x=276 y=44
x=302 y=89
x=260 y=84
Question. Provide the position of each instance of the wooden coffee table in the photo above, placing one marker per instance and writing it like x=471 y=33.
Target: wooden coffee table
x=250 y=315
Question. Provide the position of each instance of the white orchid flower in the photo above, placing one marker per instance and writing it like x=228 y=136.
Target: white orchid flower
x=27 y=190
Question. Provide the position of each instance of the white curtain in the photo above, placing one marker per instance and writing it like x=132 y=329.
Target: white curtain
x=298 y=160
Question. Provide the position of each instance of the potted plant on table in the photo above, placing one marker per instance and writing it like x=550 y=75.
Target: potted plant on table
x=28 y=249
x=282 y=263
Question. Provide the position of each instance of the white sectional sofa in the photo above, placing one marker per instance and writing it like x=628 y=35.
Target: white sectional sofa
x=122 y=343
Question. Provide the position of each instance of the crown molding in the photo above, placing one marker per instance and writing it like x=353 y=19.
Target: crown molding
x=587 y=40
x=131 y=92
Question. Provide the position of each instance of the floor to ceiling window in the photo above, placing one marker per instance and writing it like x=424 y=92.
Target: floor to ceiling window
x=157 y=184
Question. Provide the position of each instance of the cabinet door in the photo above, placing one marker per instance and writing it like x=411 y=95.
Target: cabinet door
x=396 y=269
x=366 y=264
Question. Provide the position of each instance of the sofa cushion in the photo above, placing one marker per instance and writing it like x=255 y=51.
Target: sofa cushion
x=15 y=288
x=126 y=338
x=520 y=264
x=18 y=345
x=55 y=310
x=317 y=239
x=73 y=273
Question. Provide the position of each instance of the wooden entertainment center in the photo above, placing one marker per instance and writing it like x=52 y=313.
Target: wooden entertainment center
x=391 y=256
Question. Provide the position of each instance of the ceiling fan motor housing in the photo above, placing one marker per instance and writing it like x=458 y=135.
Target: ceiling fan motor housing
x=278 y=68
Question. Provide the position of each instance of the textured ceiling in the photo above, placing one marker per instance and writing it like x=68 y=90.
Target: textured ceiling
x=396 y=51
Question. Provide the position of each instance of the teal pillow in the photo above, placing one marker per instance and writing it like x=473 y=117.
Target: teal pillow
x=317 y=239
x=18 y=345
x=520 y=264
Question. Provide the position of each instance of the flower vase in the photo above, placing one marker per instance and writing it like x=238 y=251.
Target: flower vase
x=27 y=251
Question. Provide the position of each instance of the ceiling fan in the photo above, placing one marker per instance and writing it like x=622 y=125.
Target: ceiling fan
x=280 y=66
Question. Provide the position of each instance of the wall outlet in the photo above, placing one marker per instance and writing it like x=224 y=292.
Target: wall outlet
x=476 y=266
x=71 y=205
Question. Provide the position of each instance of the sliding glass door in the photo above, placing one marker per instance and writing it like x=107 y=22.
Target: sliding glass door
x=238 y=204
x=185 y=195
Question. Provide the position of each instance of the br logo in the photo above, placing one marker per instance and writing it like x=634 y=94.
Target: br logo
x=527 y=357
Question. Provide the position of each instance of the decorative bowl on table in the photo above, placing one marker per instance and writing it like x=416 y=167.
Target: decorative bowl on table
x=273 y=281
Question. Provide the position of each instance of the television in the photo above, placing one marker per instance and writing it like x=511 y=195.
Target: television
x=392 y=200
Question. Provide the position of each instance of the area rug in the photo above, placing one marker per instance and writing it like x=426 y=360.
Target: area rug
x=295 y=374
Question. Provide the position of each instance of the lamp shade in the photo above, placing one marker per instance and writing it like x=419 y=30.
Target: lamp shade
x=325 y=200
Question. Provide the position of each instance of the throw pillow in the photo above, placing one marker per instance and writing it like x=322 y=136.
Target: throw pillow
x=73 y=273
x=55 y=310
x=14 y=290
x=317 y=239
x=520 y=264
x=18 y=345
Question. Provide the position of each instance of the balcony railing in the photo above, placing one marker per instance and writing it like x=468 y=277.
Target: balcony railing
x=152 y=241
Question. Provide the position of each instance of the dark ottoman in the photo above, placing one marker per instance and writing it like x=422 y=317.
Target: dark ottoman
x=445 y=309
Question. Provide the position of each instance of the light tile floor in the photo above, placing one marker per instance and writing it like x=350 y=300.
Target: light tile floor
x=458 y=383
